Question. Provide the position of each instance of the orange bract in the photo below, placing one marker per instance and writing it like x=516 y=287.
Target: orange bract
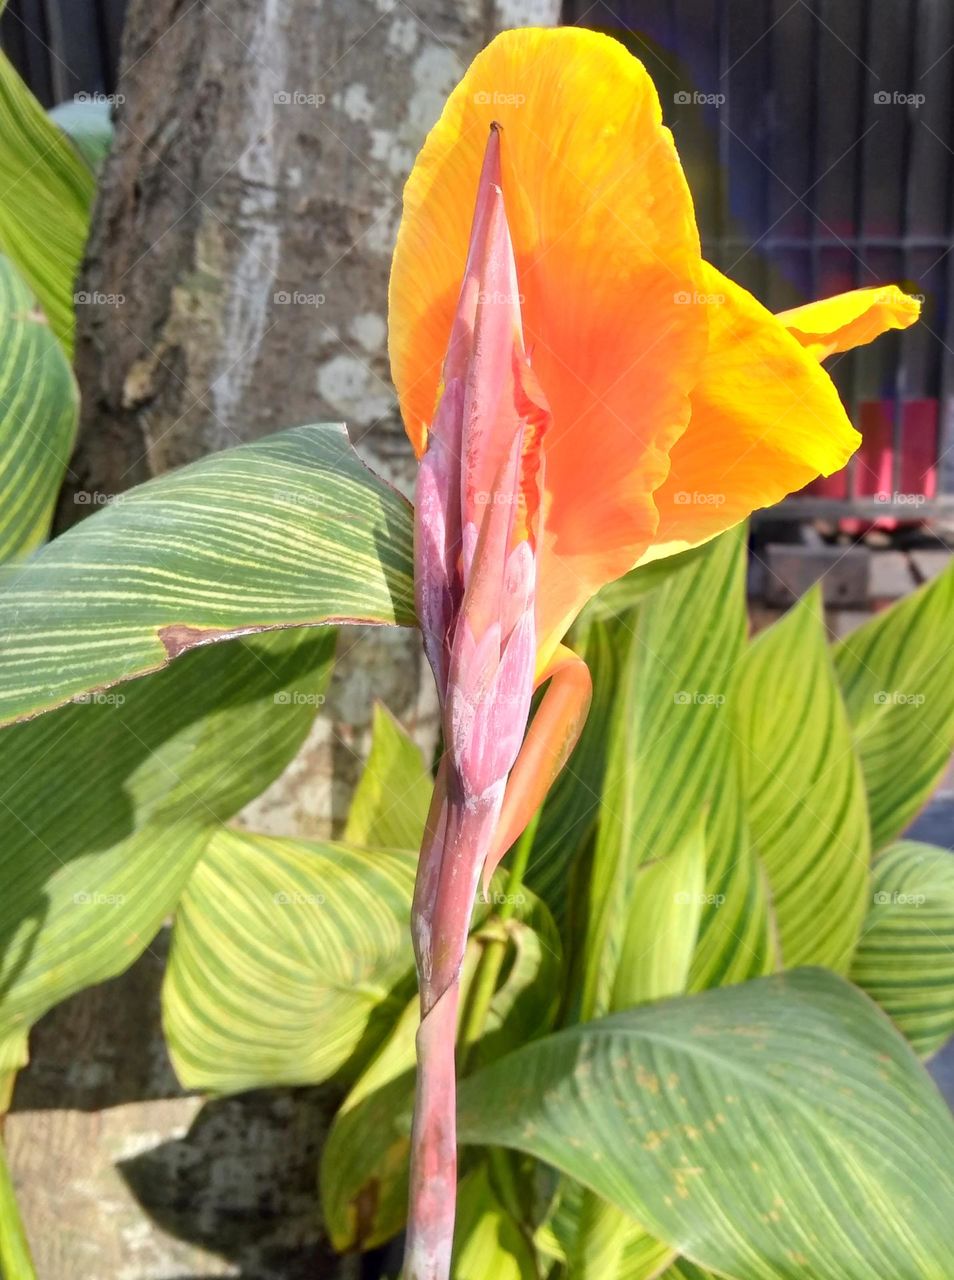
x=656 y=390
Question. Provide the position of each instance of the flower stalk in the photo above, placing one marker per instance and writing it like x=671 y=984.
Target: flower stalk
x=476 y=532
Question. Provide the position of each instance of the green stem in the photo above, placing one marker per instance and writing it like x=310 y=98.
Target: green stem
x=15 y=1260
x=494 y=954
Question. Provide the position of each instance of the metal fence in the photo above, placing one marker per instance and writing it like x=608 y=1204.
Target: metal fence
x=818 y=139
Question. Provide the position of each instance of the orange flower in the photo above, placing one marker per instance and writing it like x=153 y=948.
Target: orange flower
x=679 y=404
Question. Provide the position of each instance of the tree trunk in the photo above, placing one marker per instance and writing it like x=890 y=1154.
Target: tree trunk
x=238 y=273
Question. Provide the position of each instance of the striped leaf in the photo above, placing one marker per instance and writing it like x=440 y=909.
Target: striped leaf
x=905 y=959
x=663 y=924
x=364 y=1165
x=897 y=675
x=488 y=1242
x=46 y=195
x=670 y=760
x=769 y=1130
x=569 y=816
x=291 y=530
x=389 y=806
x=38 y=411
x=89 y=870
x=284 y=957
x=804 y=789
x=639 y=1256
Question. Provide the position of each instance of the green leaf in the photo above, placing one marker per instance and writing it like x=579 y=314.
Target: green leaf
x=292 y=530
x=639 y=1256
x=804 y=789
x=569 y=816
x=284 y=955
x=89 y=126
x=38 y=412
x=390 y=803
x=108 y=804
x=670 y=760
x=47 y=195
x=663 y=924
x=905 y=959
x=488 y=1241
x=897 y=674
x=737 y=1125
x=364 y=1167
x=15 y=1260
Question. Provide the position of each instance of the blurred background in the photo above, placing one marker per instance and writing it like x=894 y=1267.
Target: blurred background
x=243 y=231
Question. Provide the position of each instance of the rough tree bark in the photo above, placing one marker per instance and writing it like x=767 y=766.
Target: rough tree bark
x=243 y=234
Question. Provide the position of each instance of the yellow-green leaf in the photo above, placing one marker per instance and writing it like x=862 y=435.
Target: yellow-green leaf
x=107 y=805
x=804 y=791
x=292 y=530
x=284 y=955
x=46 y=194
x=897 y=674
x=38 y=410
x=905 y=959
x=390 y=803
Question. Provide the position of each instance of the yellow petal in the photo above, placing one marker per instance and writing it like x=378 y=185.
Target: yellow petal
x=850 y=319
x=766 y=419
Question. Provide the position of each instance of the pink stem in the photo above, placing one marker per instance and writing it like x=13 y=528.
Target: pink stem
x=455 y=846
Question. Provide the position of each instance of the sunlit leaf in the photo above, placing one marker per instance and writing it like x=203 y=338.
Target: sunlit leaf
x=389 y=806
x=772 y=1129
x=897 y=674
x=805 y=795
x=46 y=195
x=292 y=530
x=107 y=805
x=38 y=410
x=905 y=959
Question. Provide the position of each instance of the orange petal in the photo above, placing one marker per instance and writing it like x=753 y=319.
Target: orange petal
x=850 y=319
x=766 y=419
x=607 y=251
